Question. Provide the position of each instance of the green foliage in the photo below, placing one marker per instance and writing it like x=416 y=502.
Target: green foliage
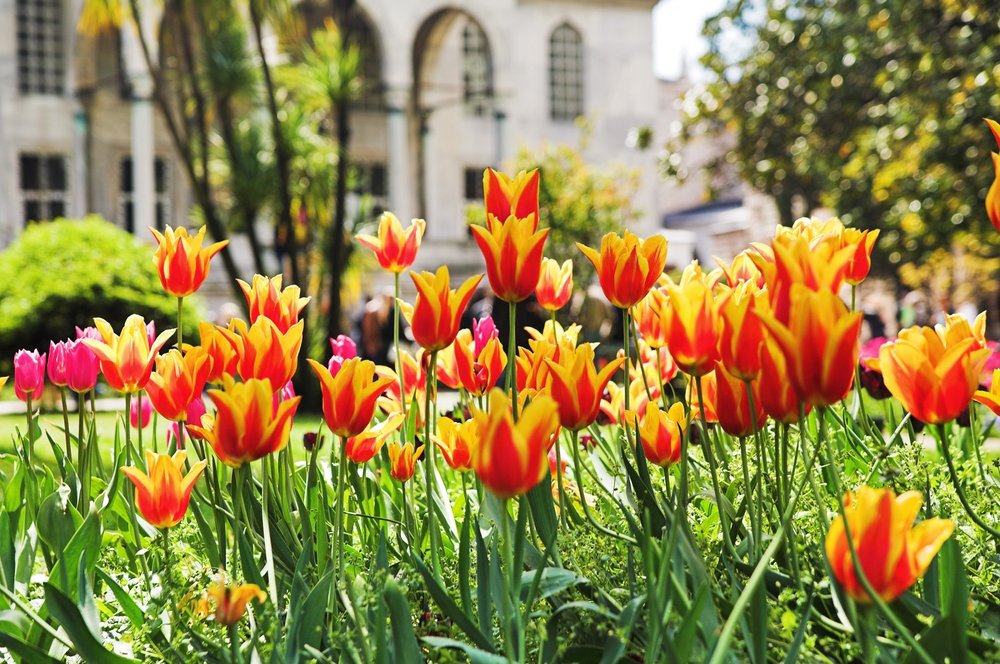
x=871 y=108
x=62 y=274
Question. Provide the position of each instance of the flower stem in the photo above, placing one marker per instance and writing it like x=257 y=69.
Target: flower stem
x=396 y=350
x=512 y=357
x=430 y=468
x=180 y=327
x=65 y=411
x=272 y=581
x=506 y=579
x=958 y=486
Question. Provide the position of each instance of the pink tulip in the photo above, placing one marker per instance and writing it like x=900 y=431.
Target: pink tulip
x=88 y=333
x=147 y=412
x=82 y=367
x=58 y=364
x=343 y=346
x=483 y=330
x=29 y=374
x=195 y=411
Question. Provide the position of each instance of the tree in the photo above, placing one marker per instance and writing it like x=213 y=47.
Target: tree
x=870 y=108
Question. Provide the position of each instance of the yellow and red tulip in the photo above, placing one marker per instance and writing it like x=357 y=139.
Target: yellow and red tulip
x=403 y=459
x=437 y=312
x=933 y=374
x=512 y=248
x=627 y=267
x=709 y=390
x=220 y=351
x=478 y=373
x=577 y=387
x=264 y=352
x=661 y=433
x=267 y=299
x=892 y=552
x=162 y=496
x=989 y=398
x=364 y=446
x=456 y=440
x=693 y=322
x=742 y=333
x=505 y=196
x=178 y=380
x=181 y=261
x=993 y=195
x=126 y=360
x=860 y=263
x=774 y=391
x=819 y=342
x=349 y=398
x=394 y=247
x=247 y=424
x=555 y=285
x=651 y=316
x=732 y=405
x=511 y=458
x=231 y=602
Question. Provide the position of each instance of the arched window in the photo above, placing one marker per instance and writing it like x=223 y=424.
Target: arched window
x=565 y=73
x=476 y=70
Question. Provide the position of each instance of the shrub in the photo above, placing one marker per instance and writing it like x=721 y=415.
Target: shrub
x=62 y=274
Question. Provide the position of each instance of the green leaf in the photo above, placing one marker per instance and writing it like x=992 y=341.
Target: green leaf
x=475 y=655
x=554 y=580
x=800 y=634
x=135 y=615
x=81 y=553
x=68 y=616
x=406 y=650
x=57 y=520
x=306 y=630
x=27 y=652
x=448 y=606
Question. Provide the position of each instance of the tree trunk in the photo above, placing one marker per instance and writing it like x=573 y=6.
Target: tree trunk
x=247 y=211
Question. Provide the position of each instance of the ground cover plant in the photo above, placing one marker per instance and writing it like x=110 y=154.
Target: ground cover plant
x=719 y=491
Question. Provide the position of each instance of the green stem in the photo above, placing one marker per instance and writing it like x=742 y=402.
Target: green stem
x=65 y=410
x=506 y=579
x=578 y=471
x=272 y=581
x=130 y=495
x=512 y=357
x=958 y=486
x=430 y=468
x=30 y=452
x=706 y=447
x=339 y=533
x=180 y=326
x=234 y=645
x=399 y=354
x=83 y=458
x=236 y=496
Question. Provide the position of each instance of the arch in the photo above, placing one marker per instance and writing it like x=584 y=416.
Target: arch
x=566 y=73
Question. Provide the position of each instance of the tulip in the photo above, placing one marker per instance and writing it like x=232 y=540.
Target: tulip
x=264 y=352
x=993 y=195
x=82 y=367
x=435 y=316
x=231 y=603
x=710 y=391
x=193 y=414
x=3 y=381
x=891 y=551
x=555 y=284
x=29 y=374
x=403 y=460
x=364 y=446
x=554 y=333
x=742 y=269
x=414 y=377
x=219 y=350
x=860 y=263
x=613 y=407
x=266 y=299
x=349 y=398
x=505 y=196
x=651 y=316
x=162 y=496
x=58 y=363
x=627 y=267
x=181 y=261
x=733 y=405
x=89 y=332
x=820 y=345
x=126 y=360
x=774 y=391
x=247 y=425
x=933 y=374
x=820 y=265
x=741 y=334
x=693 y=322
x=661 y=433
x=395 y=248
x=483 y=331
x=140 y=412
x=456 y=442
x=989 y=398
x=511 y=458
x=478 y=373
x=871 y=379
x=178 y=380
x=576 y=386
x=512 y=249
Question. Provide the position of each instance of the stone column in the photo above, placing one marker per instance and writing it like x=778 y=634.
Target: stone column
x=400 y=168
x=143 y=120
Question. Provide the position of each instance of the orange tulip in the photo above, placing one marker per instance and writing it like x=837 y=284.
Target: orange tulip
x=733 y=405
x=247 y=424
x=414 y=377
x=774 y=391
x=742 y=269
x=892 y=552
x=993 y=195
x=933 y=374
x=989 y=398
x=627 y=267
x=820 y=344
x=231 y=603
x=435 y=316
x=162 y=496
x=126 y=360
x=555 y=286
x=554 y=333
x=820 y=265
x=661 y=433
x=742 y=334
x=710 y=390
x=395 y=248
x=505 y=196
x=692 y=321
x=577 y=387
x=403 y=460
x=478 y=374
x=267 y=299
x=364 y=446
x=651 y=316
x=263 y=351
x=349 y=397
x=219 y=350
x=178 y=380
x=181 y=261
x=456 y=442
x=512 y=248
x=860 y=263
x=512 y=458
x=613 y=407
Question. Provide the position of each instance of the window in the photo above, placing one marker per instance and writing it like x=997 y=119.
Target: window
x=476 y=74
x=40 y=59
x=161 y=188
x=565 y=73
x=474 y=184
x=44 y=187
x=370 y=178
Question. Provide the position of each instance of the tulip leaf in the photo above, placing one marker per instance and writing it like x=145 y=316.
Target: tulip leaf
x=792 y=655
x=68 y=616
x=614 y=647
x=475 y=655
x=208 y=538
x=26 y=651
x=57 y=520
x=483 y=583
x=80 y=554
x=132 y=611
x=306 y=630
x=543 y=515
x=448 y=606
x=464 y=558
x=405 y=648
x=553 y=580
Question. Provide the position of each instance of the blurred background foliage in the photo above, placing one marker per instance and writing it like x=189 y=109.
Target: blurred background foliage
x=872 y=109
